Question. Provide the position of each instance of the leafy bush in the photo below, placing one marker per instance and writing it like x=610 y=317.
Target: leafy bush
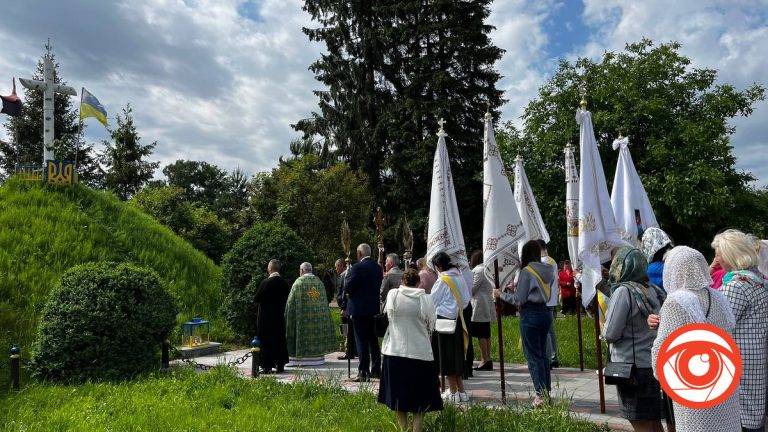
x=245 y=266
x=103 y=321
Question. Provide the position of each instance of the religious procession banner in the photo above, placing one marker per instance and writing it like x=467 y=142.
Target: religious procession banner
x=597 y=228
x=530 y=216
x=444 y=232
x=631 y=207
x=572 y=205
x=502 y=227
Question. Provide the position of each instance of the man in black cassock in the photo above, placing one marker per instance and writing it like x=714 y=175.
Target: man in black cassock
x=271 y=297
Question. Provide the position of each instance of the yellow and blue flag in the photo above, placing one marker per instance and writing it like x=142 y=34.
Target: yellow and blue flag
x=91 y=107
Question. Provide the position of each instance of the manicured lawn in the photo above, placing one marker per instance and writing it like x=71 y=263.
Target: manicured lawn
x=567 y=339
x=221 y=401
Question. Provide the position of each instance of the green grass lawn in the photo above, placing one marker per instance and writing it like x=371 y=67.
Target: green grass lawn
x=221 y=401
x=566 y=330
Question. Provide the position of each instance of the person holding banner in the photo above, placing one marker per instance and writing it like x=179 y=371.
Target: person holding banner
x=451 y=337
x=531 y=293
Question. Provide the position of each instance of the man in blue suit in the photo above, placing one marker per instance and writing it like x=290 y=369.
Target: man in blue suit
x=362 y=286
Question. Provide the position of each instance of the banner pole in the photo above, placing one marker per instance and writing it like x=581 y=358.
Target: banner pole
x=578 y=321
x=500 y=334
x=599 y=354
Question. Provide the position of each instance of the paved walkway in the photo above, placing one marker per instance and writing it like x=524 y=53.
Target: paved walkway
x=579 y=387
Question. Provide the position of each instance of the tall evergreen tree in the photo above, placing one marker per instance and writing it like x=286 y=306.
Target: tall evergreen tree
x=127 y=169
x=393 y=68
x=25 y=132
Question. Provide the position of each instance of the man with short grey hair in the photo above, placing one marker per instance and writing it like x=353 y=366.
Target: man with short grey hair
x=392 y=277
x=309 y=332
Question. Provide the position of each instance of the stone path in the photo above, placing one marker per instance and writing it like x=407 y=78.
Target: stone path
x=571 y=384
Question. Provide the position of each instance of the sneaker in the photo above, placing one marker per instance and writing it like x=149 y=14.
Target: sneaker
x=449 y=397
x=463 y=397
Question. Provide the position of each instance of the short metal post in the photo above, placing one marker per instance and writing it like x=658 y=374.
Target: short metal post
x=255 y=356
x=165 y=356
x=15 y=368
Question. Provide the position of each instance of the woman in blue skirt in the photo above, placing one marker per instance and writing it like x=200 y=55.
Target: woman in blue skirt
x=409 y=382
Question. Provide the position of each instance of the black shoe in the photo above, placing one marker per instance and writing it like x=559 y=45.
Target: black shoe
x=376 y=375
x=554 y=364
x=361 y=379
x=280 y=369
x=266 y=371
x=345 y=357
x=487 y=366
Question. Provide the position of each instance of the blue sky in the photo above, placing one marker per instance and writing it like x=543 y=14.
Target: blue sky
x=222 y=80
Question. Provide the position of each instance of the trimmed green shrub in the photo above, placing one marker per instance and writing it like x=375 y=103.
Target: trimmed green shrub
x=103 y=321
x=245 y=266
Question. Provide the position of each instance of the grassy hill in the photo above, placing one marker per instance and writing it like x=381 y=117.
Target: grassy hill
x=45 y=230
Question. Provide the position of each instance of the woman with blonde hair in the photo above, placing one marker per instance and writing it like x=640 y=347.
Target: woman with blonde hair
x=691 y=300
x=747 y=291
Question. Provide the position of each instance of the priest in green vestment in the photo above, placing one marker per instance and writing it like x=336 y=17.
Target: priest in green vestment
x=309 y=328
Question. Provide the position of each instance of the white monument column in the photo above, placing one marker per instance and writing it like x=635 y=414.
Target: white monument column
x=49 y=88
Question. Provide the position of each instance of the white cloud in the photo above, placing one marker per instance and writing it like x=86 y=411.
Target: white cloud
x=204 y=81
x=730 y=36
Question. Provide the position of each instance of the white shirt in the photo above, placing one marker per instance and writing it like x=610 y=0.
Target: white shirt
x=411 y=321
x=443 y=299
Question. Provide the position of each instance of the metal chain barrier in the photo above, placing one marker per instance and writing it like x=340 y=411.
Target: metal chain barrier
x=203 y=367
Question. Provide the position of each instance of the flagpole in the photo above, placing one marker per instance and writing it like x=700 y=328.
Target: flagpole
x=599 y=354
x=500 y=334
x=79 y=130
x=578 y=321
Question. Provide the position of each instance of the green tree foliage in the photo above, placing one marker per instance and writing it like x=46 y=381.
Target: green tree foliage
x=392 y=70
x=192 y=222
x=25 y=133
x=103 y=321
x=245 y=266
x=211 y=187
x=125 y=158
x=677 y=120
x=314 y=201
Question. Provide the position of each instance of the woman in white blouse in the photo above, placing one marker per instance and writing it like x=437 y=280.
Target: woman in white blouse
x=409 y=382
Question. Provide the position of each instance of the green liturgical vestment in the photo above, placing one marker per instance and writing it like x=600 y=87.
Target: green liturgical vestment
x=309 y=328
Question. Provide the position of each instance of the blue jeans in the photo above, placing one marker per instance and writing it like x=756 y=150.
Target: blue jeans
x=535 y=323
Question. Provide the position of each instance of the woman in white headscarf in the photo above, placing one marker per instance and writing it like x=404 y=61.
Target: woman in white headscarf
x=691 y=300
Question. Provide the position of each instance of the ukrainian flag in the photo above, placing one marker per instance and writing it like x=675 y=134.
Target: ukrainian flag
x=91 y=107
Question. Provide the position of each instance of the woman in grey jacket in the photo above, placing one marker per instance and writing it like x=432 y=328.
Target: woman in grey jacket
x=531 y=293
x=626 y=329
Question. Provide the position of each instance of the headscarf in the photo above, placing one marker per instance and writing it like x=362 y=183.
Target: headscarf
x=685 y=272
x=654 y=239
x=628 y=269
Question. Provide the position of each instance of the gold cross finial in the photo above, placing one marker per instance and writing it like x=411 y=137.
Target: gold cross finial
x=583 y=93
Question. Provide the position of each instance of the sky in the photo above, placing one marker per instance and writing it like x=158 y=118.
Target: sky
x=223 y=80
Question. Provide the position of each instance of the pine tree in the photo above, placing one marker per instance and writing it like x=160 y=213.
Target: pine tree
x=392 y=70
x=127 y=169
x=25 y=133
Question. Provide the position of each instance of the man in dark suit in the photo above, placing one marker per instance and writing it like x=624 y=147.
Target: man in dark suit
x=362 y=285
x=350 y=351
x=271 y=297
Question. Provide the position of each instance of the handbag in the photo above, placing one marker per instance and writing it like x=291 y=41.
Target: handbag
x=623 y=373
x=445 y=326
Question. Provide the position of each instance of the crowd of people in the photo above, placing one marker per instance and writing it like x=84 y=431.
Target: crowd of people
x=434 y=310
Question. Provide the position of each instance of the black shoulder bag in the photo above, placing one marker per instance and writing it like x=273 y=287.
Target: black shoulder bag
x=620 y=373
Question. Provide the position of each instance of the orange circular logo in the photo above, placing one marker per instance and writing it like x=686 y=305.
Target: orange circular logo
x=699 y=365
